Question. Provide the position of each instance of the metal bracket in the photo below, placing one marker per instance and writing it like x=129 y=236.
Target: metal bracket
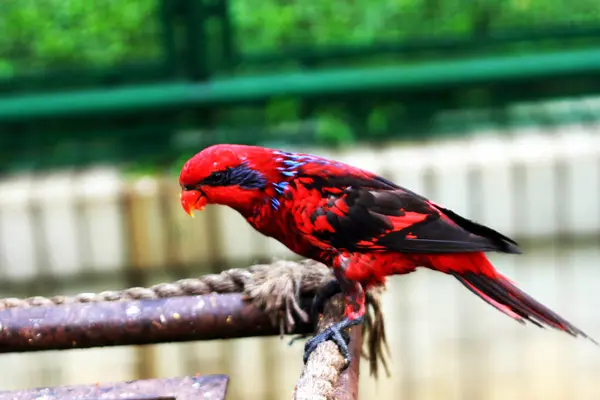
x=209 y=387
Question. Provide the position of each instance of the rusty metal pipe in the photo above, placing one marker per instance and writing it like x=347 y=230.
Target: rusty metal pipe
x=176 y=319
x=210 y=387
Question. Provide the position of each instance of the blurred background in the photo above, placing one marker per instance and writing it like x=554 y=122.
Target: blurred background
x=490 y=108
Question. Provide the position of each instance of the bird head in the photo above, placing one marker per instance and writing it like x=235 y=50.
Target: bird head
x=231 y=175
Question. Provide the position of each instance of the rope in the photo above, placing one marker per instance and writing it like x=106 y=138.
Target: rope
x=275 y=288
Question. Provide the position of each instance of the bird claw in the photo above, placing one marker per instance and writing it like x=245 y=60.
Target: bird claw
x=323 y=294
x=336 y=333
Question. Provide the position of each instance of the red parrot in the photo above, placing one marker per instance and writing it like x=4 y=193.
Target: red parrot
x=362 y=225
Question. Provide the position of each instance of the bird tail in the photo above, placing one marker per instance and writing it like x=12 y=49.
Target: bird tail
x=485 y=281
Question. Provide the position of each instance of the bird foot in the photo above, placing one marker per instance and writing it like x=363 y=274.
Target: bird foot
x=336 y=333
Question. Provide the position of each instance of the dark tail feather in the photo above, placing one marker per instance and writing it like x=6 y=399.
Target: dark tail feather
x=515 y=303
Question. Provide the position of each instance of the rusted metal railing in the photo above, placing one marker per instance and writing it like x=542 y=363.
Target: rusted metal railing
x=75 y=324
x=177 y=319
x=210 y=387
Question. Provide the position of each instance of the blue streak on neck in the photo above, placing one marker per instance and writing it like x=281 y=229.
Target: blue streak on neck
x=290 y=167
x=275 y=203
x=280 y=187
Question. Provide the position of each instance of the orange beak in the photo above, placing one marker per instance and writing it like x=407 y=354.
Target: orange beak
x=192 y=200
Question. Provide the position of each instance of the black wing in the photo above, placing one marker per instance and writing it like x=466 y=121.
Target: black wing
x=386 y=217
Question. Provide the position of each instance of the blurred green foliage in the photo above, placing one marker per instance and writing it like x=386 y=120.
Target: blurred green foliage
x=327 y=22
x=40 y=36
x=44 y=34
x=37 y=35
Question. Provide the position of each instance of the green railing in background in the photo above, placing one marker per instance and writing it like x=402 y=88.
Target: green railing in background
x=82 y=82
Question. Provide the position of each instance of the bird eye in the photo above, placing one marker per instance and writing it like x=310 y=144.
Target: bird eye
x=217 y=178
